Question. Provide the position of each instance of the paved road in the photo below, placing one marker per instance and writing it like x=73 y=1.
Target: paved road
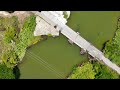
x=76 y=38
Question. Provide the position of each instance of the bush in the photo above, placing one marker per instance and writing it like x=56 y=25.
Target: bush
x=11 y=27
x=93 y=70
x=84 y=72
x=6 y=73
x=112 y=48
x=14 y=45
x=26 y=36
x=16 y=40
x=9 y=58
x=65 y=15
x=104 y=72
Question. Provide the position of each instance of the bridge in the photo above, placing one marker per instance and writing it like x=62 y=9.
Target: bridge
x=50 y=17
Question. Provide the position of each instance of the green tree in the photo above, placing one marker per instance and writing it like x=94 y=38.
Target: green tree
x=11 y=27
x=17 y=40
x=93 y=70
x=6 y=73
x=9 y=58
x=84 y=72
x=112 y=48
x=104 y=72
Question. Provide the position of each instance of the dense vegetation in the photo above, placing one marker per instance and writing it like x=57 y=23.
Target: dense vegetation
x=6 y=73
x=9 y=73
x=16 y=39
x=84 y=72
x=93 y=70
x=14 y=43
x=104 y=72
x=26 y=37
x=112 y=47
x=65 y=15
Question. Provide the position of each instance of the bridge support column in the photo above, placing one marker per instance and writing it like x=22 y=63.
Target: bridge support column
x=82 y=51
x=91 y=58
x=70 y=41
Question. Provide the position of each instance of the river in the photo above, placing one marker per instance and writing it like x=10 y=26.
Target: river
x=55 y=57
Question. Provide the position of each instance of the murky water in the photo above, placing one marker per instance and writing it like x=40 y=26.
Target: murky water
x=55 y=57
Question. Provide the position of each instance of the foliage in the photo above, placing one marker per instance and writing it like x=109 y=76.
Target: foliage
x=26 y=36
x=9 y=58
x=6 y=73
x=49 y=35
x=104 y=72
x=84 y=72
x=16 y=40
x=65 y=15
x=11 y=27
x=14 y=44
x=93 y=70
x=112 y=48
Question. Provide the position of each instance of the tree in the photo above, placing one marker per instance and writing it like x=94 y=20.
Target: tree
x=11 y=27
x=84 y=72
x=93 y=70
x=112 y=48
x=16 y=41
x=9 y=58
x=104 y=72
x=6 y=73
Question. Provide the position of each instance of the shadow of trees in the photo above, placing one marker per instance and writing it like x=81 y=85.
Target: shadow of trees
x=16 y=71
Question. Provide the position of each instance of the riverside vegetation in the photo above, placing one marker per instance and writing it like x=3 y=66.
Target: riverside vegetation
x=95 y=70
x=112 y=47
x=13 y=43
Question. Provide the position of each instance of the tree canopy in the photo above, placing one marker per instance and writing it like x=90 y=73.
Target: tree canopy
x=16 y=39
x=84 y=72
x=112 y=47
x=93 y=70
x=6 y=73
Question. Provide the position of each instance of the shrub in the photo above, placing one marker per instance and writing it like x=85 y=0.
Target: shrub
x=16 y=40
x=11 y=27
x=112 y=48
x=26 y=36
x=93 y=70
x=104 y=72
x=84 y=72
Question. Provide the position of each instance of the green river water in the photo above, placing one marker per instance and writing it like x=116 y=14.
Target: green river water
x=55 y=57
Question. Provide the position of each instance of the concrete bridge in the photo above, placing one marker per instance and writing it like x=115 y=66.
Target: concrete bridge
x=51 y=18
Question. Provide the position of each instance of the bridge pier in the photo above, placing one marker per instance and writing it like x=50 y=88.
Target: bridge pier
x=70 y=41
x=82 y=51
x=91 y=58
